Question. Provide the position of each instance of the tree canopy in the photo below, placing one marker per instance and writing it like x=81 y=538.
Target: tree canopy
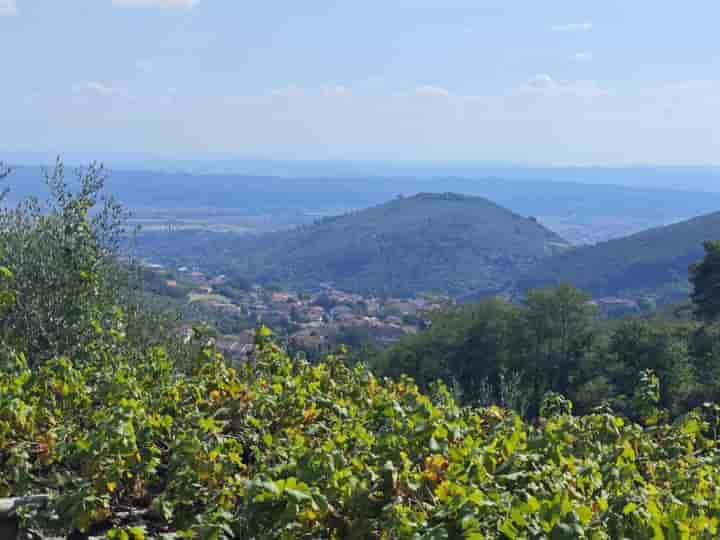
x=705 y=278
x=499 y=352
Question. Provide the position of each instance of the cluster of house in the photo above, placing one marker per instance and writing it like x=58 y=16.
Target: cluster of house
x=318 y=321
x=323 y=319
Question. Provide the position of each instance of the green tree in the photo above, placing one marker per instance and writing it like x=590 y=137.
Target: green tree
x=705 y=351
x=561 y=324
x=487 y=348
x=705 y=279
x=62 y=255
x=638 y=345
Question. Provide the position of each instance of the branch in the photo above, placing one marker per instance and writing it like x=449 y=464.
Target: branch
x=9 y=507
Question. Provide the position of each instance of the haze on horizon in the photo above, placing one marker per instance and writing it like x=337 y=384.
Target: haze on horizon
x=557 y=82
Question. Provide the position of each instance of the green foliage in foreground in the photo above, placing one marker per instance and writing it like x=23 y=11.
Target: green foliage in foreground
x=285 y=449
x=61 y=253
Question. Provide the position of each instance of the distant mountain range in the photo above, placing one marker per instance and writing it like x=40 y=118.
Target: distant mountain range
x=684 y=178
x=326 y=195
x=447 y=242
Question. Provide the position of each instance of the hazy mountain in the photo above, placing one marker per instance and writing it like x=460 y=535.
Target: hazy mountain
x=684 y=178
x=255 y=193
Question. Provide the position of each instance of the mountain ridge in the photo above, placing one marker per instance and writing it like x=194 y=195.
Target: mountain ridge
x=654 y=261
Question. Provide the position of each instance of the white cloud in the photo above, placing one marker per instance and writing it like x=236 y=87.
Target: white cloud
x=573 y=27
x=542 y=81
x=432 y=91
x=291 y=91
x=582 y=57
x=169 y=4
x=336 y=91
x=544 y=84
x=96 y=88
x=8 y=7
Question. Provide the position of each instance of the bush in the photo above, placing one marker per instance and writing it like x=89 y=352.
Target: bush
x=283 y=449
x=63 y=254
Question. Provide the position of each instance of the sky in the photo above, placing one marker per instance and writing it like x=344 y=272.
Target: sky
x=554 y=82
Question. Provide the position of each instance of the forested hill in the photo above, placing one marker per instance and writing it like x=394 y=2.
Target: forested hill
x=448 y=242
x=654 y=261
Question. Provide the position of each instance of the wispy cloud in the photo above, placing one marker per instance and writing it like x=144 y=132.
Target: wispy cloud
x=96 y=88
x=291 y=91
x=432 y=91
x=542 y=81
x=582 y=57
x=8 y=7
x=165 y=4
x=544 y=84
x=337 y=91
x=585 y=26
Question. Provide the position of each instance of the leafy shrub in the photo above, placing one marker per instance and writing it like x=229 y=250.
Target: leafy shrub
x=278 y=448
x=62 y=254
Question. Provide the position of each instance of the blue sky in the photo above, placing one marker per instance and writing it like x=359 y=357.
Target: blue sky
x=552 y=82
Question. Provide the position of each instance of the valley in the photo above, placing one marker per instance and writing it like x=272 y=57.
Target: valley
x=582 y=205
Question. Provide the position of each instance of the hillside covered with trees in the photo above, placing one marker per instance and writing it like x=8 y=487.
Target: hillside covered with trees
x=447 y=242
x=653 y=261
x=112 y=425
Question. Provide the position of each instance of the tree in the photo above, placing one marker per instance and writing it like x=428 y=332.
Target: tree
x=62 y=256
x=486 y=346
x=705 y=279
x=638 y=345
x=561 y=325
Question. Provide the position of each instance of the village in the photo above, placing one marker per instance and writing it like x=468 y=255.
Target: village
x=312 y=323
